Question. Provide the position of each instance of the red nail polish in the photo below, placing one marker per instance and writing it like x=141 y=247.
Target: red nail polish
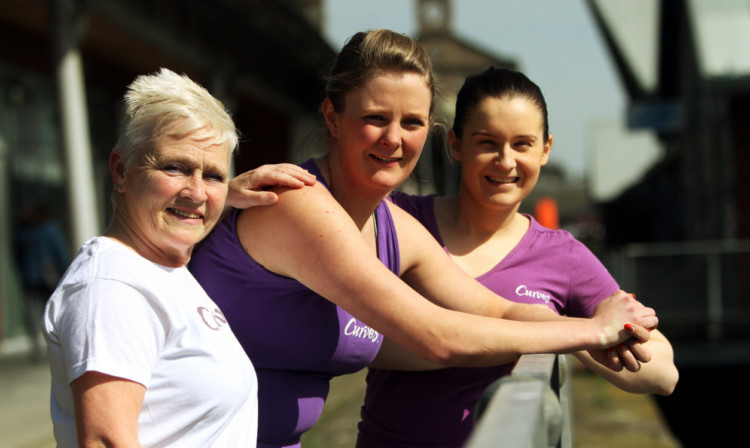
x=629 y=327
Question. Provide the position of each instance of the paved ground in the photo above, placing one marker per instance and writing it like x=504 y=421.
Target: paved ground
x=24 y=404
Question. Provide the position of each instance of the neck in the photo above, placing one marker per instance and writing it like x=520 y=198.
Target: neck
x=359 y=203
x=476 y=237
x=473 y=218
x=124 y=234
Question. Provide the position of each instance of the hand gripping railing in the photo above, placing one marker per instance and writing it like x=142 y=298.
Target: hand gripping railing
x=530 y=408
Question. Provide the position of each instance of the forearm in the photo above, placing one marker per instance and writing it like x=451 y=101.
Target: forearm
x=482 y=341
x=394 y=357
x=531 y=313
x=658 y=376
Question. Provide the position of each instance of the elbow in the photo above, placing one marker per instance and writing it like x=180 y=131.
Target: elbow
x=663 y=384
x=668 y=383
x=443 y=354
x=441 y=350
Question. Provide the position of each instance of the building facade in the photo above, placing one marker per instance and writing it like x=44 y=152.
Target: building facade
x=64 y=66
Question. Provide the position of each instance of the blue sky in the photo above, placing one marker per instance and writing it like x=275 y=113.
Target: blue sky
x=554 y=42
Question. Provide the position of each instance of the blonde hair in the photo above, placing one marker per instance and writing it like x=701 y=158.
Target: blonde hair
x=371 y=53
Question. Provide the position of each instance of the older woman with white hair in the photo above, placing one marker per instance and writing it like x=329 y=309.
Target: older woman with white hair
x=139 y=354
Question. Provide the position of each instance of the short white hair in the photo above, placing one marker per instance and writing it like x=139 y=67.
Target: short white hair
x=164 y=100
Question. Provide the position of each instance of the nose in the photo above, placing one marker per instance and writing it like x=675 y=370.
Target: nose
x=195 y=189
x=506 y=158
x=391 y=138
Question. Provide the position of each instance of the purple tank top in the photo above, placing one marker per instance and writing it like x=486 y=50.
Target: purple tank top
x=435 y=408
x=296 y=339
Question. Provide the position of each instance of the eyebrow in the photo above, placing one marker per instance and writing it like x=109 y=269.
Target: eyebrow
x=490 y=134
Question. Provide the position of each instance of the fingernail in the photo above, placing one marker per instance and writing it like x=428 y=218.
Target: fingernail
x=629 y=327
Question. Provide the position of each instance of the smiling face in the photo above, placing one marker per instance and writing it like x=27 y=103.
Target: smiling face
x=502 y=151
x=381 y=131
x=170 y=199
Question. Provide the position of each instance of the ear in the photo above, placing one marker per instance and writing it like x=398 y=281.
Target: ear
x=330 y=115
x=546 y=151
x=455 y=145
x=117 y=171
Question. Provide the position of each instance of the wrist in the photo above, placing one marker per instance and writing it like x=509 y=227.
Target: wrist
x=602 y=335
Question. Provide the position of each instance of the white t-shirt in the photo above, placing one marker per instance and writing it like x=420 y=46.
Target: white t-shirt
x=117 y=313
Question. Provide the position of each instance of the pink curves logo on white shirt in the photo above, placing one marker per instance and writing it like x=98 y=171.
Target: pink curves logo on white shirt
x=213 y=319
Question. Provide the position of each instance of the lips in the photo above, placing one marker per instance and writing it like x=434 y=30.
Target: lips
x=385 y=159
x=502 y=180
x=185 y=214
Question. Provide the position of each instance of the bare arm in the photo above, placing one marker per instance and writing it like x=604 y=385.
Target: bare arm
x=658 y=376
x=106 y=410
x=309 y=237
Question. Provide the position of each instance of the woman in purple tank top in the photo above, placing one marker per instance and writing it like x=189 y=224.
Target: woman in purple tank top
x=312 y=283
x=501 y=138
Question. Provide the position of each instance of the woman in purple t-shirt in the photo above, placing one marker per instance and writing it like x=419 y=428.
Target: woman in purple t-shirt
x=501 y=138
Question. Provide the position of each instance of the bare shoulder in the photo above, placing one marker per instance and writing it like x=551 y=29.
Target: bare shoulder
x=304 y=221
x=297 y=209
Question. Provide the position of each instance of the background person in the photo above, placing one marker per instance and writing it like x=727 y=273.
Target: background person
x=501 y=138
x=311 y=284
x=41 y=255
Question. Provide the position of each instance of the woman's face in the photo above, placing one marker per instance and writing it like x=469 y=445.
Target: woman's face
x=502 y=150
x=382 y=129
x=172 y=198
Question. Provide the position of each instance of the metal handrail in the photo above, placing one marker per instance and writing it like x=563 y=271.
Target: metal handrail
x=530 y=408
x=694 y=285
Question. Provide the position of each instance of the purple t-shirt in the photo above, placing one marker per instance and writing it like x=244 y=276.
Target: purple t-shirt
x=435 y=408
x=296 y=339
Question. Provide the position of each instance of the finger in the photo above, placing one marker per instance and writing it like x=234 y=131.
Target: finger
x=251 y=198
x=286 y=174
x=646 y=320
x=302 y=174
x=638 y=332
x=628 y=359
x=608 y=358
x=639 y=350
x=614 y=361
x=293 y=180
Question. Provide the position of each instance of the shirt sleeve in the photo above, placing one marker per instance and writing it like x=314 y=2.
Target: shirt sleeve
x=110 y=327
x=590 y=281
